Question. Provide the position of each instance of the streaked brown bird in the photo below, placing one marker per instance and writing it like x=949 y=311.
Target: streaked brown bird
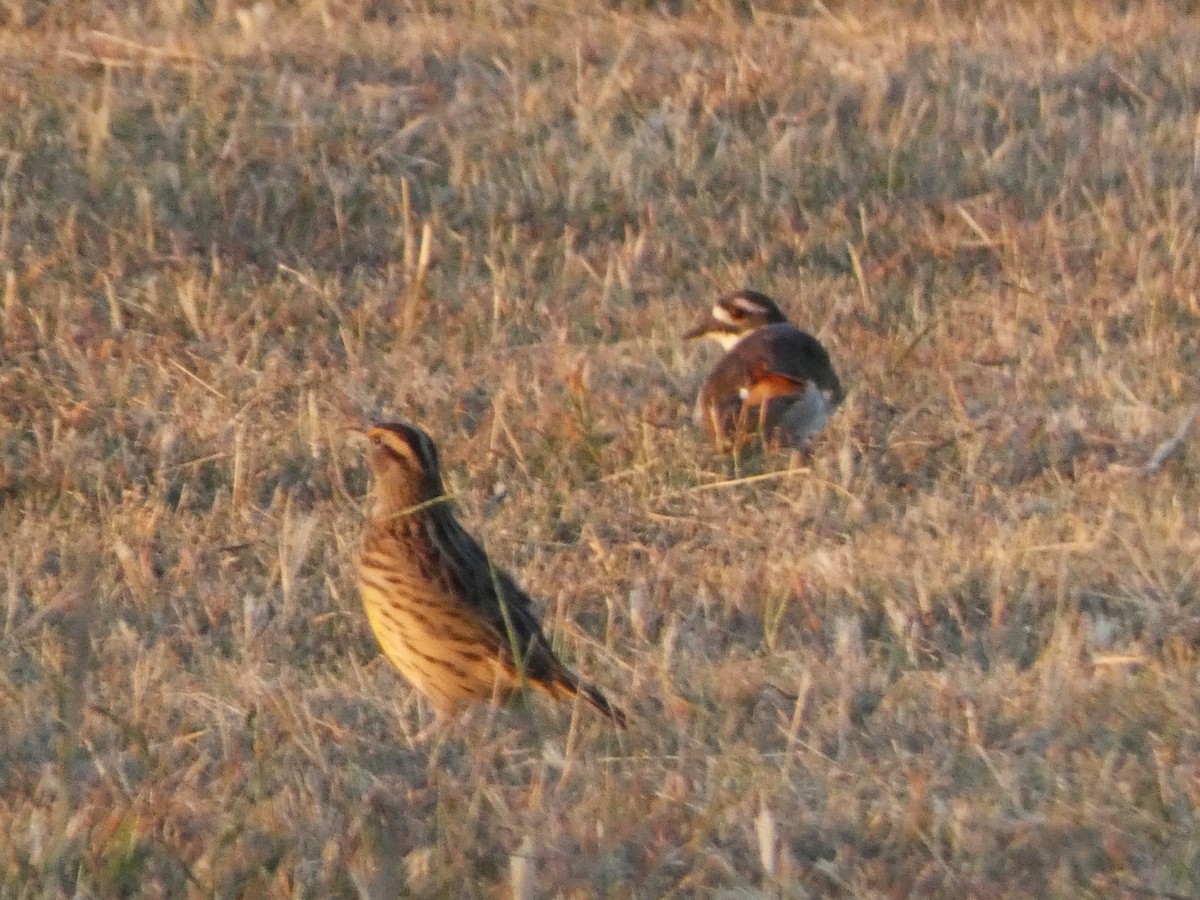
x=774 y=378
x=457 y=627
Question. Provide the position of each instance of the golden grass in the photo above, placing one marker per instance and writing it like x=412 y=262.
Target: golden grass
x=950 y=653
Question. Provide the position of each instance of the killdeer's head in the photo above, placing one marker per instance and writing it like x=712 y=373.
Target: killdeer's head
x=735 y=316
x=404 y=462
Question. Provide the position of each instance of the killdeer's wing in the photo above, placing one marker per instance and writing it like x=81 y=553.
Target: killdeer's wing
x=780 y=349
x=796 y=354
x=767 y=384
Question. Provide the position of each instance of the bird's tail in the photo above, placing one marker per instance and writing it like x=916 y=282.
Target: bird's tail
x=566 y=684
x=602 y=704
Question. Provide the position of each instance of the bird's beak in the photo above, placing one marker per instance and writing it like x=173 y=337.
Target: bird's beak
x=704 y=328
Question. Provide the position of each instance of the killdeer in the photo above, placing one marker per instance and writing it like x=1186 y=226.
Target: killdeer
x=773 y=378
x=456 y=626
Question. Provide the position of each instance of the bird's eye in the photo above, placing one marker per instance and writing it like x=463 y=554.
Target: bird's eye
x=376 y=440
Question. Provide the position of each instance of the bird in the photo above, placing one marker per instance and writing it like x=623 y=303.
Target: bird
x=457 y=627
x=774 y=378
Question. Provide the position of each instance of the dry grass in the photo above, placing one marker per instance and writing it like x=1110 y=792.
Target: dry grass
x=952 y=653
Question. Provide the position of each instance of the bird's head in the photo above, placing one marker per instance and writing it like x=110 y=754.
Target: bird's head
x=735 y=316
x=404 y=461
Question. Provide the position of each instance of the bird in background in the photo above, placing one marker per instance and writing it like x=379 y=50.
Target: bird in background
x=456 y=626
x=774 y=379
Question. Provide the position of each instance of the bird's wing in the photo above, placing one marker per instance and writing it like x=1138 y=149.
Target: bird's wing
x=493 y=596
x=794 y=353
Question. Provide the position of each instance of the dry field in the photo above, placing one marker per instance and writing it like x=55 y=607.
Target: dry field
x=951 y=652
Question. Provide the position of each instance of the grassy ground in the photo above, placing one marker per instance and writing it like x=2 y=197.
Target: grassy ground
x=950 y=653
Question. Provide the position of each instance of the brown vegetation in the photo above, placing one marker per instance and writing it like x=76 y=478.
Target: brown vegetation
x=950 y=653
